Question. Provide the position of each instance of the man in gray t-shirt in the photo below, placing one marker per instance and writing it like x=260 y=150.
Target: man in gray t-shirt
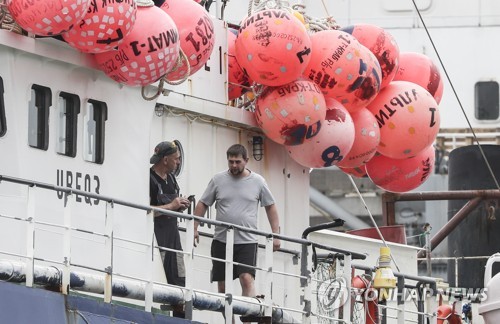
x=237 y=192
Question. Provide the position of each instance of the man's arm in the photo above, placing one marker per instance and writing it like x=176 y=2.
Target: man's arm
x=274 y=221
x=200 y=211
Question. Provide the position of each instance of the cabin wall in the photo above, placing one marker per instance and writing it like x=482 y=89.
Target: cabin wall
x=132 y=130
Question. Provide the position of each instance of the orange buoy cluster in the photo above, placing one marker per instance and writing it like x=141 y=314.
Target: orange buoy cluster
x=381 y=113
x=134 y=45
x=337 y=96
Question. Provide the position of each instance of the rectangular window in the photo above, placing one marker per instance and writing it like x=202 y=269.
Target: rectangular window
x=3 y=122
x=38 y=117
x=68 y=108
x=94 y=127
x=486 y=100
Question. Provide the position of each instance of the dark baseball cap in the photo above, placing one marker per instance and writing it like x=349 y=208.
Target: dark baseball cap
x=163 y=149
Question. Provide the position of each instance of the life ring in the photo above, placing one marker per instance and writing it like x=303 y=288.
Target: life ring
x=371 y=305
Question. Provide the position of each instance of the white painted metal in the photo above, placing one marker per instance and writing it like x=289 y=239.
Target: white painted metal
x=69 y=200
x=30 y=236
x=189 y=264
x=197 y=114
x=229 y=291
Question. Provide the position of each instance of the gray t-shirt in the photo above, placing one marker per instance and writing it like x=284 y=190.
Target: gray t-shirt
x=237 y=202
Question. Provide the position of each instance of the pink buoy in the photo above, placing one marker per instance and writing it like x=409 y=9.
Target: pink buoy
x=408 y=118
x=358 y=172
x=401 y=175
x=196 y=33
x=381 y=43
x=104 y=27
x=48 y=17
x=238 y=81
x=291 y=113
x=344 y=69
x=420 y=69
x=366 y=139
x=147 y=53
x=273 y=47
x=331 y=144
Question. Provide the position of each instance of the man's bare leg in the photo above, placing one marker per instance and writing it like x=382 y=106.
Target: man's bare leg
x=247 y=285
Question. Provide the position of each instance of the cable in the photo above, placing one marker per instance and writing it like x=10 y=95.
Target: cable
x=456 y=95
x=372 y=219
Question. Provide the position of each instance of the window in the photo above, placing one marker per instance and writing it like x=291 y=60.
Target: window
x=93 y=125
x=3 y=123
x=486 y=100
x=68 y=108
x=38 y=117
x=178 y=171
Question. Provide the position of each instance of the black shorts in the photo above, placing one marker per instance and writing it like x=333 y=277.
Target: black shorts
x=242 y=253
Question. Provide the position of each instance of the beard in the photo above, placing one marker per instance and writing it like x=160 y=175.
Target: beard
x=236 y=172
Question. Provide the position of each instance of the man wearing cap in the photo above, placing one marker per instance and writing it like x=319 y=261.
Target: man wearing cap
x=164 y=193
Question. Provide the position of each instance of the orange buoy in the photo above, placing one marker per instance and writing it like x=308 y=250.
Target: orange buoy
x=48 y=17
x=420 y=69
x=344 y=69
x=104 y=26
x=366 y=139
x=401 y=175
x=382 y=44
x=196 y=34
x=292 y=113
x=238 y=81
x=273 y=47
x=332 y=143
x=408 y=118
x=147 y=53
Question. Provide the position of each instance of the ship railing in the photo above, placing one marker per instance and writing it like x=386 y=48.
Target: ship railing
x=149 y=290
x=456 y=262
x=450 y=139
x=422 y=291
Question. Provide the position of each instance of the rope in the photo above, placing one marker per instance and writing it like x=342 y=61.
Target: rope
x=145 y=3
x=182 y=57
x=456 y=96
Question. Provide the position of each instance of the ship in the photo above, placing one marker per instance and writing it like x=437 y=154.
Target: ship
x=76 y=228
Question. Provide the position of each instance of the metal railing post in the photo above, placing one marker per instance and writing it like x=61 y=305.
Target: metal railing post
x=401 y=300
x=108 y=228
x=346 y=274
x=268 y=295
x=305 y=284
x=188 y=265
x=228 y=310
x=150 y=230
x=66 y=272
x=432 y=304
x=30 y=237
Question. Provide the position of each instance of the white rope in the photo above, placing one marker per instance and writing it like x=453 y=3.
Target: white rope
x=145 y=3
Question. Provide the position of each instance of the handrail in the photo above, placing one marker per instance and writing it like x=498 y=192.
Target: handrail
x=172 y=213
x=149 y=284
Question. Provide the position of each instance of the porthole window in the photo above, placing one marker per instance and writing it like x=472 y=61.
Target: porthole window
x=94 y=122
x=178 y=171
x=67 y=110
x=486 y=99
x=38 y=117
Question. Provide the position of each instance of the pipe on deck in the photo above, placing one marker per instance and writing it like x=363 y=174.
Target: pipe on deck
x=333 y=209
x=15 y=271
